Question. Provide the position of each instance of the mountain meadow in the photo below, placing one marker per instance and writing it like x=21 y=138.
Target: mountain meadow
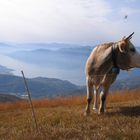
x=63 y=118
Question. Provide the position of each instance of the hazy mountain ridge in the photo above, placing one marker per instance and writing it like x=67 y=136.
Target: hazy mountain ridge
x=7 y=47
x=69 y=63
x=41 y=87
x=5 y=70
x=127 y=84
x=58 y=60
x=60 y=57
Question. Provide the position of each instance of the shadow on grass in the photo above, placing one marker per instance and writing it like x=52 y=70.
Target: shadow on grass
x=131 y=111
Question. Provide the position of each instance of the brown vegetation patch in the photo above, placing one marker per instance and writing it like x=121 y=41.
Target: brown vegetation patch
x=63 y=118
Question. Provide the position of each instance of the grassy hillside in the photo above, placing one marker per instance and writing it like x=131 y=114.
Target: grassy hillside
x=62 y=118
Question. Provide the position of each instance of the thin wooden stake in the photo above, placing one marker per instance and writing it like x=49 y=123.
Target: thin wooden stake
x=30 y=101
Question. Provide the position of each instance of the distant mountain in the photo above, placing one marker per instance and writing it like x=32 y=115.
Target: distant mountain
x=9 y=98
x=50 y=46
x=129 y=74
x=127 y=84
x=63 y=63
x=39 y=87
x=7 y=47
x=130 y=83
x=138 y=48
x=11 y=47
x=5 y=70
x=63 y=58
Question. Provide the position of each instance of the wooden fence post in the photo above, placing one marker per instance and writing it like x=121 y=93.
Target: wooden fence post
x=30 y=101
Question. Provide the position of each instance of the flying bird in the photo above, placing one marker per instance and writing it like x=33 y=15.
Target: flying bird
x=126 y=16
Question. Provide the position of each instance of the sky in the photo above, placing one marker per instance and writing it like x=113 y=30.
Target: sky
x=69 y=21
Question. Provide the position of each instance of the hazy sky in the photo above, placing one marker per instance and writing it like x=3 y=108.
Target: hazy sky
x=69 y=21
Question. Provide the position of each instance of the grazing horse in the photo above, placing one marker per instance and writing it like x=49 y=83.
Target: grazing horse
x=103 y=66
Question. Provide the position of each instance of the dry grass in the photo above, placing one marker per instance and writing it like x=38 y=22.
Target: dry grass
x=63 y=118
x=120 y=96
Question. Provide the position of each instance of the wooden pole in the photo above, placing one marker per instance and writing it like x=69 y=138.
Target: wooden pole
x=30 y=100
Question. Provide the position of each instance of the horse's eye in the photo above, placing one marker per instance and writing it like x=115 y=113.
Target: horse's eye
x=132 y=50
